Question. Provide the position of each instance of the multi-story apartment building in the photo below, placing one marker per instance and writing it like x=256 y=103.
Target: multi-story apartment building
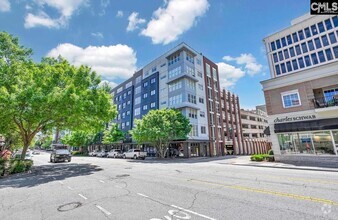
x=302 y=93
x=254 y=122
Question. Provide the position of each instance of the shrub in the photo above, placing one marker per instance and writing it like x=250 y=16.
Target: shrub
x=270 y=152
x=260 y=157
x=19 y=166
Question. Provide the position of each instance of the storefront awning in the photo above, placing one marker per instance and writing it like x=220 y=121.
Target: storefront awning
x=313 y=125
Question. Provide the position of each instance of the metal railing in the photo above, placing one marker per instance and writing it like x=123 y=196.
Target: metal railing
x=325 y=102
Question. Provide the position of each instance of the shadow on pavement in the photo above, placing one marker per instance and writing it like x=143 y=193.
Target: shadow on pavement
x=47 y=173
x=182 y=160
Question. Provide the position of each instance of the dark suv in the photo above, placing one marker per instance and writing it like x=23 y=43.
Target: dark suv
x=60 y=155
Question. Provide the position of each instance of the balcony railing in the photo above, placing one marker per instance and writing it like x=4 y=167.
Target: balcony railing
x=325 y=103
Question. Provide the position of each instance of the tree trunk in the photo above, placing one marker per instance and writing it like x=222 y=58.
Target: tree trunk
x=27 y=142
x=57 y=133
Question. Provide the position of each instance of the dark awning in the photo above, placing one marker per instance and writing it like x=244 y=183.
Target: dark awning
x=267 y=131
x=313 y=125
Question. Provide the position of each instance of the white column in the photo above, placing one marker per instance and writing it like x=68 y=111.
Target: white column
x=334 y=143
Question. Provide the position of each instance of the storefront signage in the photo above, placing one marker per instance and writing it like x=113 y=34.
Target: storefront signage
x=295 y=118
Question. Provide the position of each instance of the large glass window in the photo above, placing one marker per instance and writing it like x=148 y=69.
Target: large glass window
x=301 y=35
x=328 y=53
x=280 y=55
x=289 y=39
x=315 y=143
x=307 y=32
x=332 y=38
x=273 y=46
x=301 y=62
x=298 y=51
x=310 y=44
x=288 y=66
x=321 y=56
x=292 y=52
x=275 y=59
x=304 y=48
x=314 y=58
x=335 y=21
x=307 y=60
x=283 y=42
x=295 y=37
x=278 y=44
x=317 y=42
x=328 y=24
x=277 y=70
x=294 y=64
x=325 y=40
x=330 y=93
x=335 y=52
x=286 y=54
x=321 y=27
x=291 y=99
x=314 y=30
x=283 y=68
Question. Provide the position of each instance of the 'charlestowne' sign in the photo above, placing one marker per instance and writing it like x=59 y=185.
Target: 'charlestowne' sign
x=296 y=118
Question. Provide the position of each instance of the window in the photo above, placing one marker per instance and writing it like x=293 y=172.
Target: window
x=190 y=71
x=202 y=114
x=175 y=72
x=153 y=69
x=137 y=111
x=145 y=95
x=294 y=64
x=288 y=66
x=328 y=54
x=128 y=102
x=307 y=60
x=192 y=113
x=283 y=68
x=335 y=52
x=321 y=56
x=153 y=80
x=273 y=46
x=127 y=123
x=199 y=74
x=317 y=42
x=289 y=39
x=335 y=21
x=190 y=57
x=291 y=99
x=292 y=52
x=310 y=44
x=201 y=100
x=286 y=54
x=128 y=112
x=295 y=37
x=124 y=105
x=304 y=48
x=174 y=58
x=301 y=62
x=123 y=115
x=203 y=130
x=175 y=100
x=321 y=27
x=198 y=61
x=275 y=59
x=122 y=125
x=278 y=44
x=138 y=79
x=119 y=107
x=175 y=86
x=301 y=35
x=153 y=92
x=129 y=92
x=277 y=70
x=129 y=84
x=283 y=41
x=333 y=38
x=328 y=24
x=152 y=105
x=307 y=32
x=200 y=86
x=137 y=90
x=191 y=84
x=124 y=95
x=192 y=98
x=280 y=55
x=314 y=30
x=118 y=116
x=194 y=130
x=145 y=107
x=145 y=84
x=298 y=51
x=325 y=40
x=314 y=58
x=137 y=100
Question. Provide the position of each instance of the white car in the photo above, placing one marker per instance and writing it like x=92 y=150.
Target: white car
x=114 y=153
x=102 y=153
x=135 y=154
x=93 y=153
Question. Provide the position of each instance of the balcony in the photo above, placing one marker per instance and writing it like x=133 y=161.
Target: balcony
x=326 y=105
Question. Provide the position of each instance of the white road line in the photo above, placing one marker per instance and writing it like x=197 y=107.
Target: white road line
x=70 y=188
x=101 y=181
x=103 y=210
x=82 y=196
x=192 y=212
x=140 y=194
x=61 y=182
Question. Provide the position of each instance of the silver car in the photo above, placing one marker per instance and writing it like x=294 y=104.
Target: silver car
x=102 y=153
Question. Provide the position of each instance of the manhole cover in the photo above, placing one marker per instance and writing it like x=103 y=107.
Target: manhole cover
x=69 y=206
x=122 y=175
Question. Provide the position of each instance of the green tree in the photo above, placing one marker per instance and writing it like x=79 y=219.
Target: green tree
x=78 y=139
x=112 y=135
x=47 y=95
x=160 y=127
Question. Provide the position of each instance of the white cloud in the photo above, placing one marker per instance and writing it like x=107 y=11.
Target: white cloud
x=176 y=17
x=98 y=35
x=104 y=5
x=5 y=6
x=119 y=14
x=248 y=61
x=111 y=62
x=108 y=83
x=134 y=21
x=65 y=8
x=229 y=75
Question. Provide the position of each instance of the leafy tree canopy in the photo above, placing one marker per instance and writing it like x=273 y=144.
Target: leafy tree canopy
x=160 y=127
x=112 y=135
x=40 y=96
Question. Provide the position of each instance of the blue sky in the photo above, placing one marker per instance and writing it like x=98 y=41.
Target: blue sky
x=118 y=37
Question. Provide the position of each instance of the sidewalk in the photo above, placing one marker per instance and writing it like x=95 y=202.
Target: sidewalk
x=245 y=161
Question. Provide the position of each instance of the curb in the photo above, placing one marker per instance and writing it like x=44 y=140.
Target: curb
x=290 y=168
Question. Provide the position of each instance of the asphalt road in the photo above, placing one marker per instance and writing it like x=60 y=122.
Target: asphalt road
x=103 y=188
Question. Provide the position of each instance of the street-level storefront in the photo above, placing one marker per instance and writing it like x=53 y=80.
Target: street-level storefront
x=305 y=135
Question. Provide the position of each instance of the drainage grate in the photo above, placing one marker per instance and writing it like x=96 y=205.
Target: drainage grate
x=69 y=206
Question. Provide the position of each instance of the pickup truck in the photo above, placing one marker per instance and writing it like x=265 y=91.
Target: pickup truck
x=135 y=154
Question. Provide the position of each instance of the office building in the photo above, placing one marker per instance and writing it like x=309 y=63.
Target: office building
x=302 y=93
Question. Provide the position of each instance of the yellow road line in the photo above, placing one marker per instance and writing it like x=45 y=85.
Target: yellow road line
x=263 y=191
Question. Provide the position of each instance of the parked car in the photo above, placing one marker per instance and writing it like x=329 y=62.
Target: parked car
x=60 y=155
x=114 y=153
x=35 y=152
x=93 y=153
x=28 y=156
x=102 y=153
x=135 y=154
